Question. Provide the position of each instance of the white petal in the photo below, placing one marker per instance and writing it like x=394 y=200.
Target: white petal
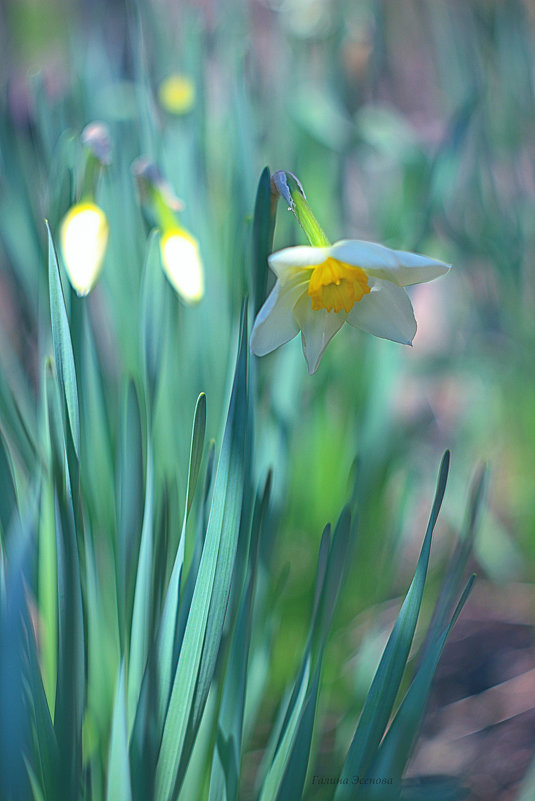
x=275 y=322
x=398 y=266
x=317 y=329
x=286 y=262
x=386 y=312
x=368 y=255
x=416 y=269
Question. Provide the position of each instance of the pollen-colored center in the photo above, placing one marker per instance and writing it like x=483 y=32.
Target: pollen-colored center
x=335 y=285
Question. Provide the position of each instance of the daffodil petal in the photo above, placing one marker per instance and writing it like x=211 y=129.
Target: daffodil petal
x=386 y=312
x=398 y=266
x=287 y=262
x=275 y=323
x=317 y=329
x=416 y=269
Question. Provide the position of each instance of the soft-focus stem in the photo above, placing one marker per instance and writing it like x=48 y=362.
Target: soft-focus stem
x=97 y=148
x=289 y=188
x=89 y=180
x=166 y=218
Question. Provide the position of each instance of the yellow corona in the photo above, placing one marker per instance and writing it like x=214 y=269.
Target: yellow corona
x=335 y=286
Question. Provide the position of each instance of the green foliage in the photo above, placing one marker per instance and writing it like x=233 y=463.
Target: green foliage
x=173 y=622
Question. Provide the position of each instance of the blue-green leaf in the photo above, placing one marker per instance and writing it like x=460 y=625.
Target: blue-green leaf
x=263 y=228
x=396 y=747
x=199 y=652
x=385 y=685
x=119 y=786
x=61 y=338
x=141 y=617
x=167 y=633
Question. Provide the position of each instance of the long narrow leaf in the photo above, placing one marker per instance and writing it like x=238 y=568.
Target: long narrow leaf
x=70 y=691
x=14 y=625
x=47 y=746
x=141 y=617
x=130 y=502
x=385 y=685
x=119 y=783
x=61 y=337
x=457 y=565
x=278 y=768
x=397 y=745
x=332 y=562
x=226 y=762
x=170 y=612
x=197 y=655
x=263 y=228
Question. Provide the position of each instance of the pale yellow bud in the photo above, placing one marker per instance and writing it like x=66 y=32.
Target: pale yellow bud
x=84 y=238
x=182 y=263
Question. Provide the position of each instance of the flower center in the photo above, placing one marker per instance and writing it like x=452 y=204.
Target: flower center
x=335 y=285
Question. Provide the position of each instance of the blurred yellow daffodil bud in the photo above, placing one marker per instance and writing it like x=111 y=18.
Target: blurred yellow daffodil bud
x=84 y=229
x=182 y=263
x=84 y=238
x=179 y=250
x=176 y=94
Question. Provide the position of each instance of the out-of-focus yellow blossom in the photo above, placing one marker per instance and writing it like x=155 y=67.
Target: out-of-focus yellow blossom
x=182 y=263
x=177 y=94
x=84 y=239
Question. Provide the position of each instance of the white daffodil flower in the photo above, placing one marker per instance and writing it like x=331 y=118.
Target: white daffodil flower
x=318 y=289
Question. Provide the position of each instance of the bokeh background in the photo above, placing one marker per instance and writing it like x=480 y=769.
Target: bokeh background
x=411 y=124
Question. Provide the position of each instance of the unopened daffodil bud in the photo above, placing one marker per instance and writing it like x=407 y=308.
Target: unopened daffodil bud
x=84 y=239
x=176 y=94
x=84 y=229
x=179 y=250
x=182 y=263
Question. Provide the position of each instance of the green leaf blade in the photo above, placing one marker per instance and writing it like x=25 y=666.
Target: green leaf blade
x=118 y=786
x=385 y=685
x=61 y=337
x=198 y=654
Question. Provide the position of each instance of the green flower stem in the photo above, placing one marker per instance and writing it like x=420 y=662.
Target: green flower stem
x=290 y=189
x=166 y=217
x=88 y=186
x=308 y=222
x=97 y=151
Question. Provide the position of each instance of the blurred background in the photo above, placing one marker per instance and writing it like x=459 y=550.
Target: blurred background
x=411 y=124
